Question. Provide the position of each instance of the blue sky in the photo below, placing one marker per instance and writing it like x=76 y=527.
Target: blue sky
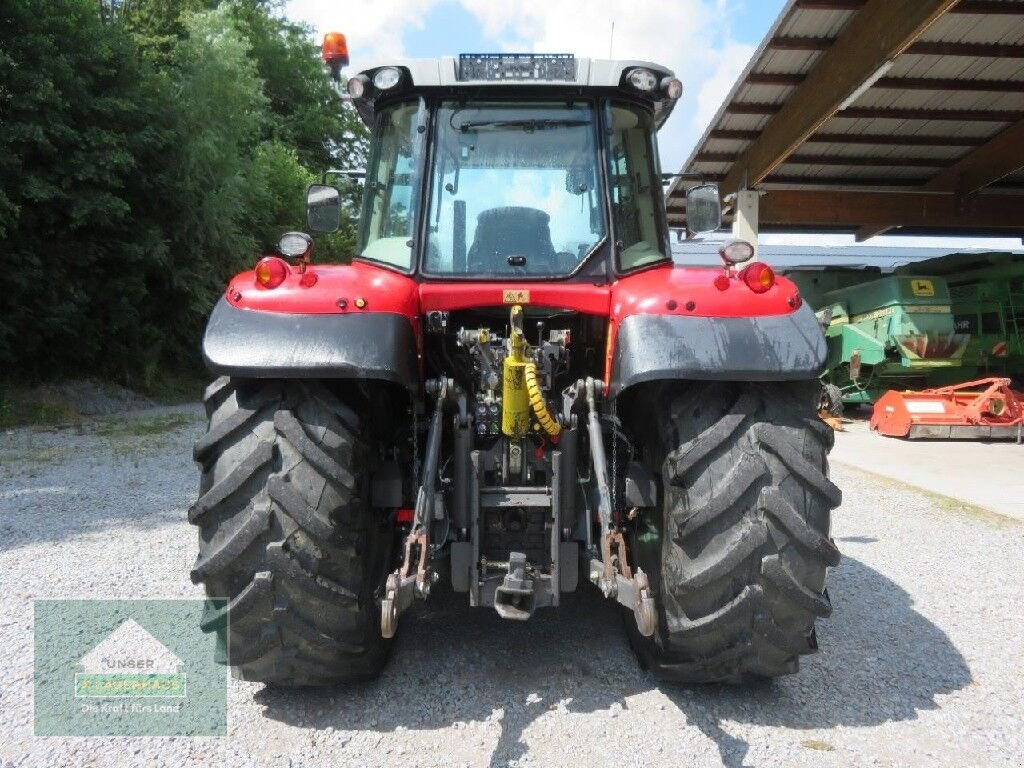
x=706 y=42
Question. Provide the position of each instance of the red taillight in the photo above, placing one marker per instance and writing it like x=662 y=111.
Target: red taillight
x=335 y=49
x=271 y=271
x=759 y=277
x=405 y=515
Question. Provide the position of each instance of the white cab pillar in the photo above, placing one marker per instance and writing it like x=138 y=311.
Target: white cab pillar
x=744 y=225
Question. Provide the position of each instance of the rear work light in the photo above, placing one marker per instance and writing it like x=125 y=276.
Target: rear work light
x=642 y=79
x=271 y=271
x=387 y=78
x=357 y=86
x=295 y=245
x=758 y=276
x=672 y=88
x=736 y=252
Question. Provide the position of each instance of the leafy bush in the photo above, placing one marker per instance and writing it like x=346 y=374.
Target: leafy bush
x=142 y=163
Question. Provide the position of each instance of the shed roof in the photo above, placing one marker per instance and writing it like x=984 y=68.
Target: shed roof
x=872 y=115
x=785 y=258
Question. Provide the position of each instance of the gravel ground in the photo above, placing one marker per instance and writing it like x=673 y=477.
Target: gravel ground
x=920 y=664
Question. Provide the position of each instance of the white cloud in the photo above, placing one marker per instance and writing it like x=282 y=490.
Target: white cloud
x=681 y=35
x=689 y=36
x=730 y=63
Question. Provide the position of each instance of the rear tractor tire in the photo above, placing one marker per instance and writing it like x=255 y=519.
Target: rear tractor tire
x=738 y=552
x=286 y=533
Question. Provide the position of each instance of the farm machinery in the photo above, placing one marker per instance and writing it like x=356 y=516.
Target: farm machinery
x=890 y=332
x=512 y=390
x=987 y=303
x=987 y=300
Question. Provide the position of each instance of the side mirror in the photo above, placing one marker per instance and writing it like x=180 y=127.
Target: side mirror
x=323 y=208
x=703 y=209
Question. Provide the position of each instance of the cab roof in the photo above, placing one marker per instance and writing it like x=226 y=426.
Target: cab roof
x=536 y=71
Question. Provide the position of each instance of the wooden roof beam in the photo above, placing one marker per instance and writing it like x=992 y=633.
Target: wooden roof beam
x=886 y=139
x=979 y=7
x=856 y=209
x=871 y=230
x=897 y=140
x=923 y=48
x=813 y=182
x=904 y=83
x=879 y=32
x=1001 y=156
x=801 y=158
x=887 y=113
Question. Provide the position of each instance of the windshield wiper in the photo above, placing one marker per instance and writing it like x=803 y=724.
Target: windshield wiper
x=526 y=125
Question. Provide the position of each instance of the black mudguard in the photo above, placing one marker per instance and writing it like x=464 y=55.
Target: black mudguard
x=770 y=348
x=254 y=344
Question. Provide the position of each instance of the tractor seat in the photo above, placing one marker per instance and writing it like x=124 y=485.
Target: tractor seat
x=508 y=231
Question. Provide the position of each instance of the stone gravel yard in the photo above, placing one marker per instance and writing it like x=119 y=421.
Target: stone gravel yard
x=921 y=663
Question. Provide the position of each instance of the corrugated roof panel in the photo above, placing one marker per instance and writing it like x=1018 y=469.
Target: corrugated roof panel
x=815 y=23
x=732 y=146
x=764 y=94
x=744 y=122
x=962 y=67
x=892 y=161
x=974 y=28
x=789 y=62
x=893 y=127
x=710 y=169
x=942 y=155
x=960 y=100
x=956 y=28
x=852 y=171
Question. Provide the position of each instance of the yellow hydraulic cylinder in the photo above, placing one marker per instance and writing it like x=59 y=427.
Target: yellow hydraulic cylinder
x=515 y=400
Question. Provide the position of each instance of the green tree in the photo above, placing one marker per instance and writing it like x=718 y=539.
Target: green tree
x=142 y=163
x=79 y=150
x=220 y=112
x=304 y=107
x=276 y=195
x=158 y=26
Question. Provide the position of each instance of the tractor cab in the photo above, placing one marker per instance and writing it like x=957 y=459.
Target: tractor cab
x=512 y=166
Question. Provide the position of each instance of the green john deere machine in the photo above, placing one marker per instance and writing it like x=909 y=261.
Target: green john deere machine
x=987 y=300
x=884 y=332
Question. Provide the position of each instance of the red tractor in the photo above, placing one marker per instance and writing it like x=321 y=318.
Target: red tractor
x=512 y=388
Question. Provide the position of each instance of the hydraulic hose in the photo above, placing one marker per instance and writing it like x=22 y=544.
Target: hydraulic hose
x=540 y=408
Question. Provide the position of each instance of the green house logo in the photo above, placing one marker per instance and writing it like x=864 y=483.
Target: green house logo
x=130 y=662
x=129 y=668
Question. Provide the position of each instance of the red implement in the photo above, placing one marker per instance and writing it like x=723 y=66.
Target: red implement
x=974 y=410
